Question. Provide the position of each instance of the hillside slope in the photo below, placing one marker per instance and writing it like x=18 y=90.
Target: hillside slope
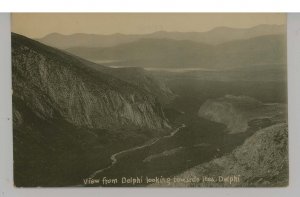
x=67 y=114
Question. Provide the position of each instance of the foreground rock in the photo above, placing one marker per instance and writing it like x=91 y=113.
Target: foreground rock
x=261 y=161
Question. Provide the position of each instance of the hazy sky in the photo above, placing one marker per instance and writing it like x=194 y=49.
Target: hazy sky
x=39 y=25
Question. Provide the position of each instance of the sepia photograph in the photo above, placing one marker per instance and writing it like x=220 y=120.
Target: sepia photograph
x=149 y=99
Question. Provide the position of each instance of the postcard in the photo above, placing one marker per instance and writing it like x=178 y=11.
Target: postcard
x=150 y=100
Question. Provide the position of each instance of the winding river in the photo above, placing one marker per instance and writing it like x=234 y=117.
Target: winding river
x=114 y=159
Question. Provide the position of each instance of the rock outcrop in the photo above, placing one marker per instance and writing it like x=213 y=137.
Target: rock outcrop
x=237 y=111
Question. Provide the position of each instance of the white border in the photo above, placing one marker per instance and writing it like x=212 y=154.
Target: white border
x=6 y=162
x=149 y=5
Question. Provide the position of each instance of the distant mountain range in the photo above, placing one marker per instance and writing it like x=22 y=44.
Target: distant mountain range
x=215 y=36
x=170 y=53
x=221 y=47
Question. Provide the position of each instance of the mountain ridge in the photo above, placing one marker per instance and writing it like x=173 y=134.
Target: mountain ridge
x=214 y=36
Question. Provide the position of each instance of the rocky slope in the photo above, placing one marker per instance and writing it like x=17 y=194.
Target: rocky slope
x=69 y=118
x=43 y=76
x=261 y=161
x=237 y=112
